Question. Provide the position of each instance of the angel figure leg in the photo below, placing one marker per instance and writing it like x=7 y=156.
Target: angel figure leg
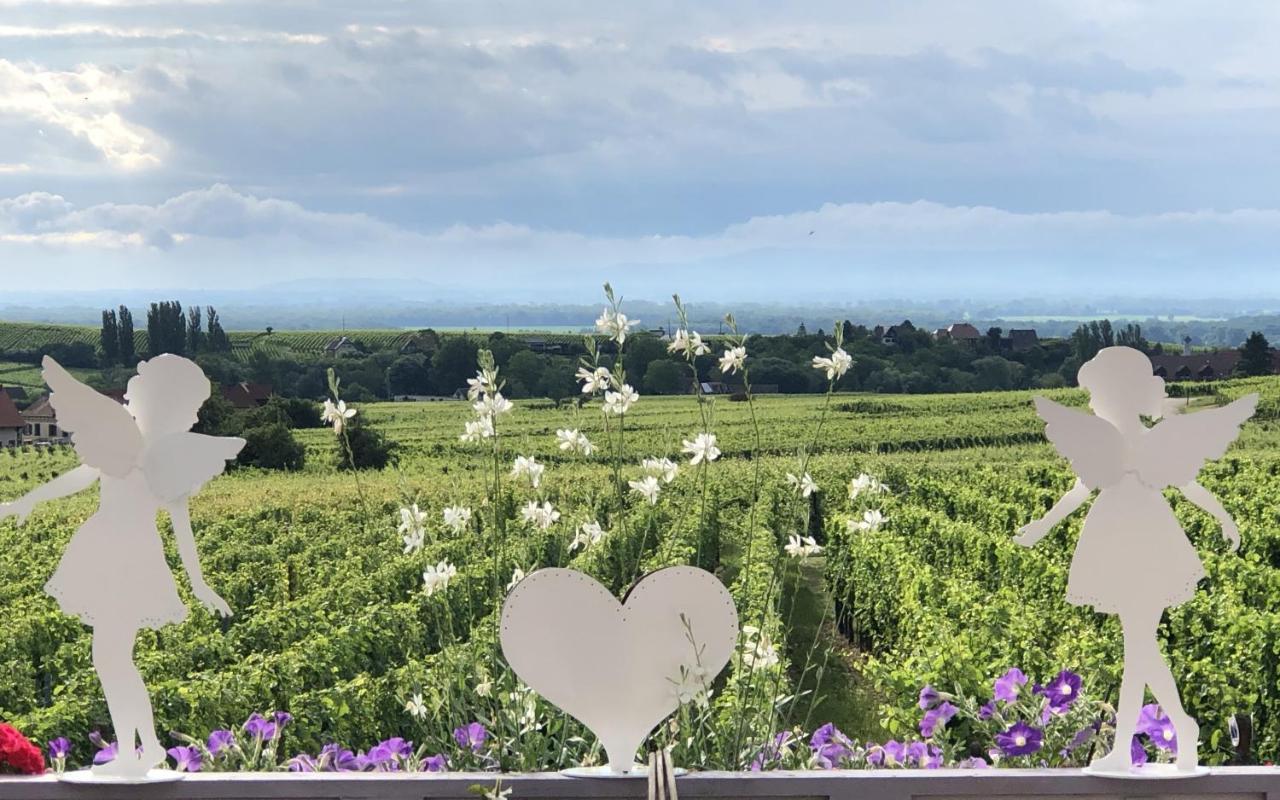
x=127 y=700
x=1166 y=693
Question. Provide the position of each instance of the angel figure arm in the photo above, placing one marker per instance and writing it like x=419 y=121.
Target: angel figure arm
x=68 y=483
x=1031 y=533
x=186 y=541
x=1205 y=500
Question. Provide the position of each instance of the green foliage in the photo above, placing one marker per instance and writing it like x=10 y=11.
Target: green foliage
x=663 y=377
x=1255 y=356
x=271 y=446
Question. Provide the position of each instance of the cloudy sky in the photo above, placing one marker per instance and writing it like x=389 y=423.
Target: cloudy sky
x=741 y=150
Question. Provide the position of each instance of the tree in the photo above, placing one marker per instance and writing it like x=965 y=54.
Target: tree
x=993 y=338
x=109 y=338
x=218 y=417
x=166 y=331
x=128 y=352
x=453 y=363
x=369 y=448
x=1255 y=356
x=558 y=379
x=995 y=373
x=271 y=446
x=195 y=333
x=524 y=370
x=663 y=377
x=409 y=375
x=789 y=377
x=215 y=337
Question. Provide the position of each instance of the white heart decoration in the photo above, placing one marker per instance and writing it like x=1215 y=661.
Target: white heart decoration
x=615 y=666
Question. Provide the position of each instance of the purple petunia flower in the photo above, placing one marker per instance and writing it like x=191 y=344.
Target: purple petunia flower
x=936 y=717
x=929 y=698
x=830 y=746
x=1009 y=684
x=934 y=758
x=1157 y=725
x=106 y=754
x=895 y=753
x=259 y=727
x=282 y=718
x=1062 y=691
x=219 y=741
x=336 y=758
x=987 y=710
x=301 y=763
x=875 y=755
x=771 y=753
x=471 y=737
x=186 y=759
x=917 y=752
x=436 y=763
x=386 y=755
x=1137 y=752
x=1020 y=740
x=59 y=748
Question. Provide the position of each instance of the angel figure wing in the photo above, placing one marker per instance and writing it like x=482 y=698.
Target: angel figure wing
x=179 y=464
x=1172 y=453
x=1093 y=446
x=103 y=432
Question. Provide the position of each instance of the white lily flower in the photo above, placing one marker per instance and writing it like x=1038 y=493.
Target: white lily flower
x=702 y=448
x=492 y=405
x=337 y=415
x=530 y=468
x=871 y=520
x=646 y=487
x=688 y=342
x=456 y=518
x=836 y=366
x=436 y=579
x=615 y=325
x=865 y=483
x=484 y=688
x=732 y=360
x=541 y=516
x=589 y=534
x=416 y=707
x=620 y=402
x=804 y=484
x=802 y=546
x=596 y=380
x=663 y=468
x=573 y=441
x=758 y=652
x=413 y=528
x=475 y=430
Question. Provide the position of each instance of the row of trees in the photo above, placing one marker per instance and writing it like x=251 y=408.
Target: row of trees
x=169 y=330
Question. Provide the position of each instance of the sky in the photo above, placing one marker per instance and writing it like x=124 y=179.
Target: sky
x=745 y=150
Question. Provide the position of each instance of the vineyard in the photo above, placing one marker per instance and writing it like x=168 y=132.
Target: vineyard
x=333 y=623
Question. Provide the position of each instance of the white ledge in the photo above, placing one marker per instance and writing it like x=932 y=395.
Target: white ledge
x=1227 y=783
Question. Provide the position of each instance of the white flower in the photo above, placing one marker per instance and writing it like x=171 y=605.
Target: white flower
x=572 y=441
x=595 y=380
x=516 y=577
x=646 y=487
x=416 y=707
x=542 y=515
x=484 y=688
x=530 y=468
x=615 y=325
x=337 y=415
x=663 y=468
x=436 y=579
x=620 y=402
x=802 y=547
x=871 y=520
x=836 y=366
x=805 y=484
x=688 y=342
x=732 y=360
x=758 y=652
x=456 y=518
x=702 y=448
x=492 y=405
x=691 y=687
x=475 y=430
x=412 y=528
x=865 y=483
x=485 y=382
x=589 y=533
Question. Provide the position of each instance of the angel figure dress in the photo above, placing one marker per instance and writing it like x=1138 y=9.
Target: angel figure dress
x=1133 y=558
x=113 y=574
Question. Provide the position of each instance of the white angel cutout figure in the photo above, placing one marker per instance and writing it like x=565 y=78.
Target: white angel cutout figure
x=1133 y=558
x=113 y=574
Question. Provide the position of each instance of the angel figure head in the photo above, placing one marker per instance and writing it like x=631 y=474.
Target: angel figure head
x=166 y=394
x=1121 y=386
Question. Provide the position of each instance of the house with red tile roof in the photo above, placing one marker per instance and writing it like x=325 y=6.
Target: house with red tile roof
x=11 y=422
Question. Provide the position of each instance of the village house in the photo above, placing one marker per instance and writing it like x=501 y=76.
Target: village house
x=890 y=334
x=959 y=332
x=341 y=346
x=1207 y=366
x=41 y=423
x=247 y=395
x=1020 y=340
x=11 y=422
